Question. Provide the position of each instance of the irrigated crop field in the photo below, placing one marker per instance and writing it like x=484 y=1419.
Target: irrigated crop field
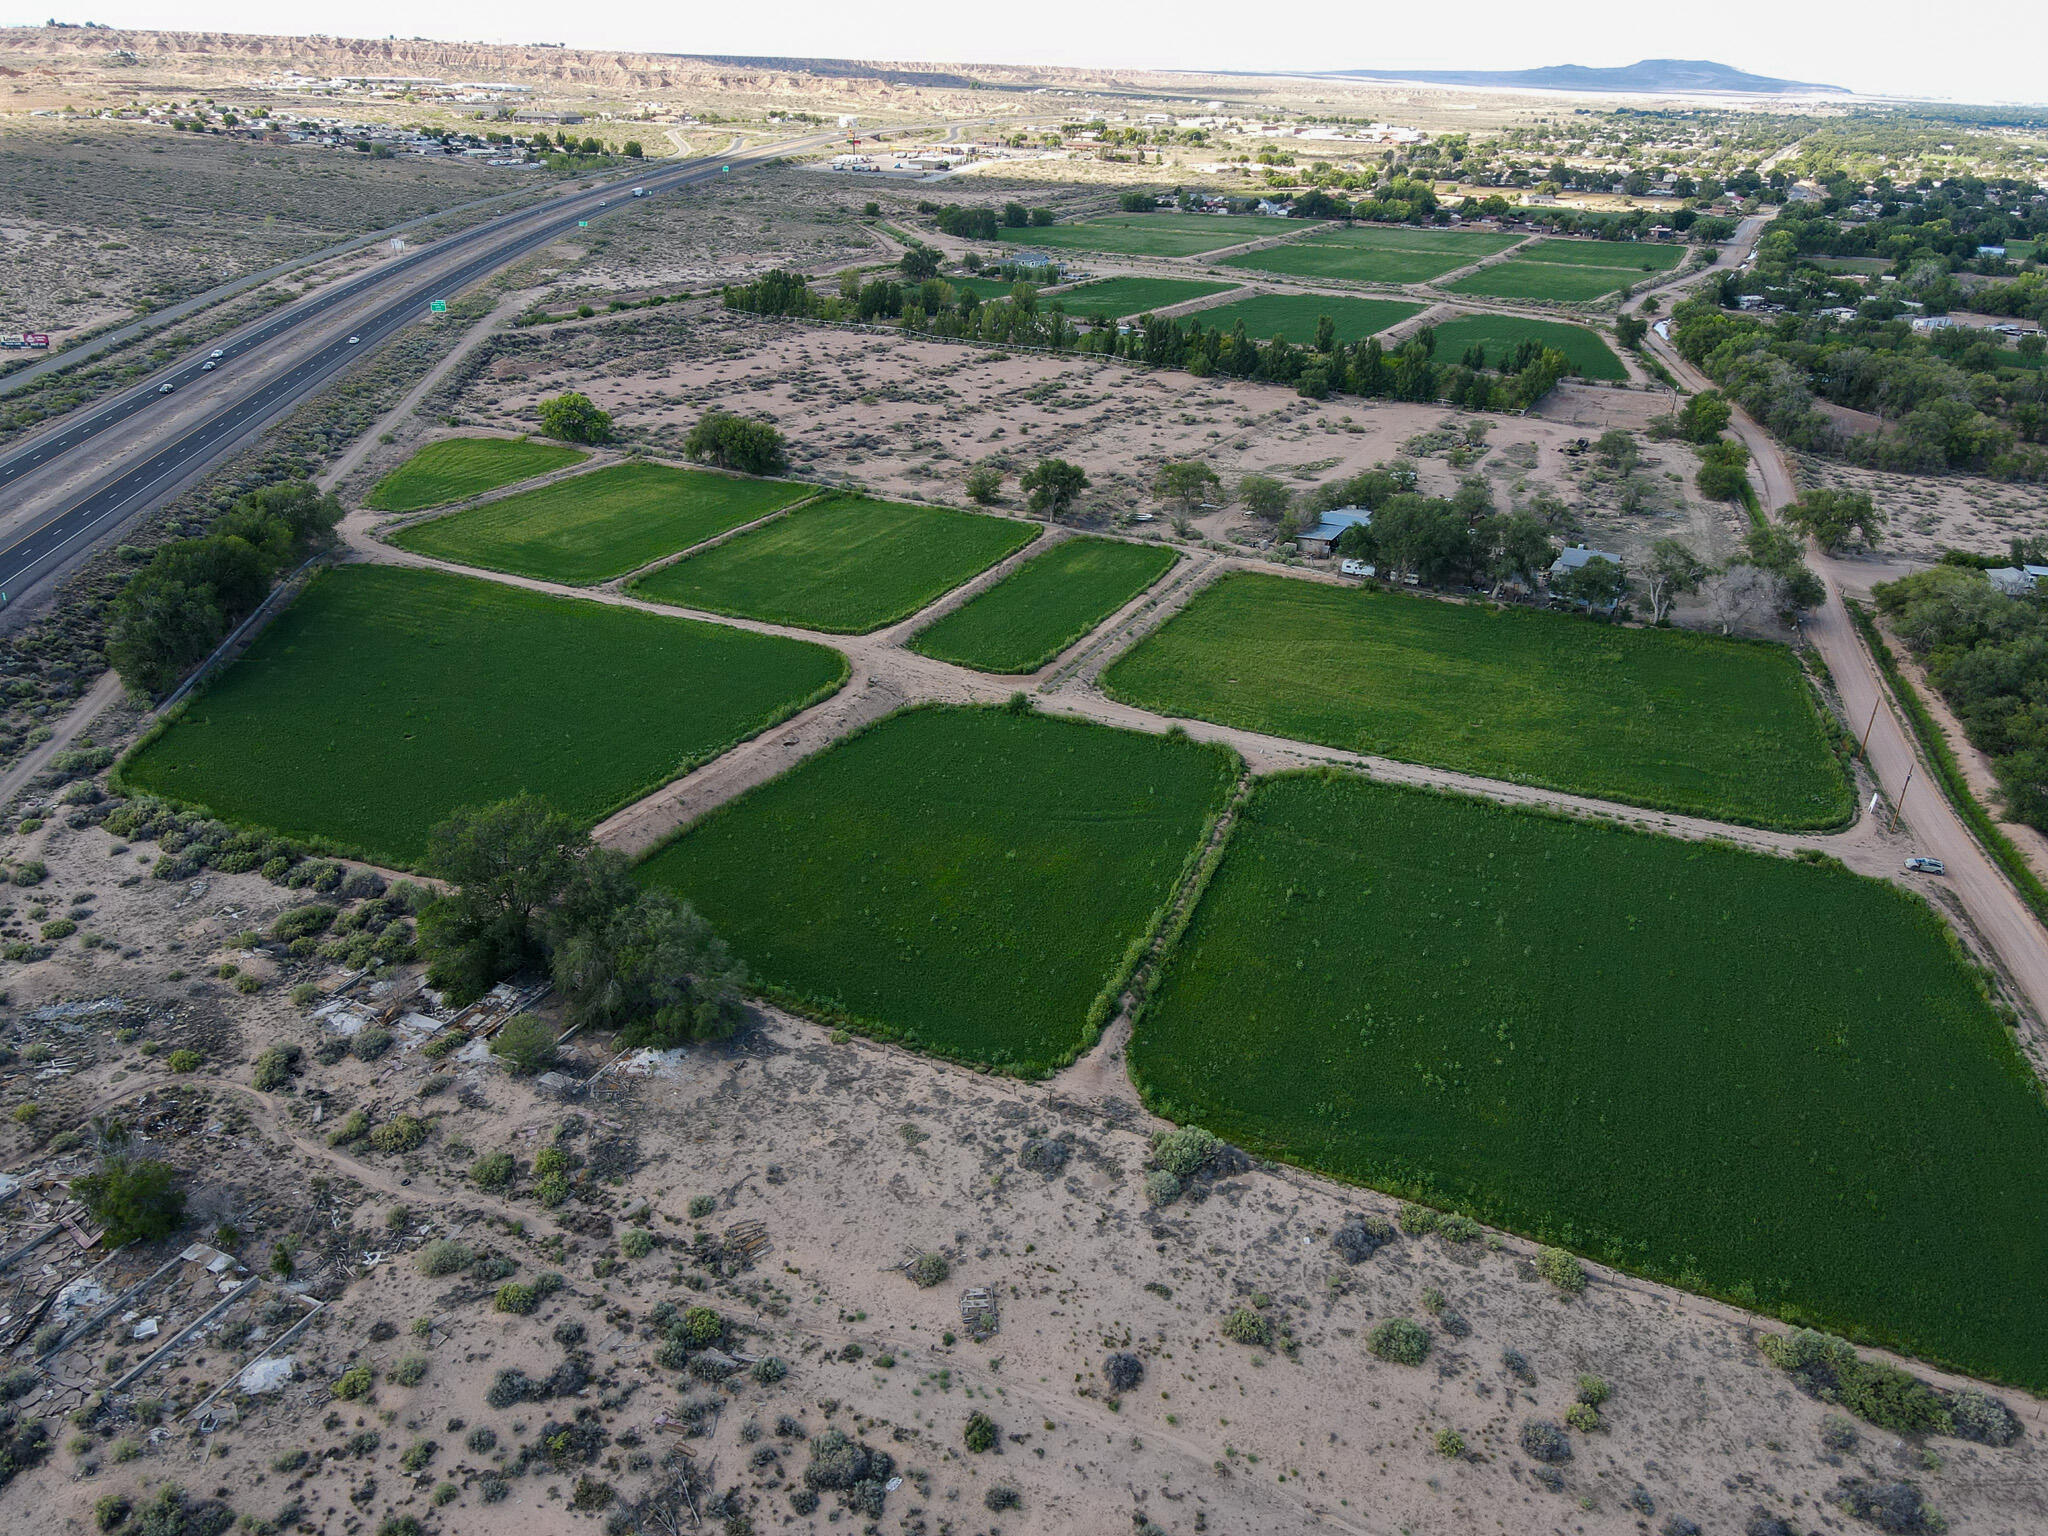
x=1663 y=718
x=590 y=528
x=1570 y=270
x=1045 y=605
x=970 y=881
x=1119 y=296
x=1739 y=1073
x=1501 y=334
x=1295 y=316
x=1628 y=255
x=1144 y=234
x=844 y=565
x=457 y=468
x=386 y=698
x=1369 y=254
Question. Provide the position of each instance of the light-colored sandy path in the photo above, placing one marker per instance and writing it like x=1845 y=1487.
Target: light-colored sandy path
x=82 y=714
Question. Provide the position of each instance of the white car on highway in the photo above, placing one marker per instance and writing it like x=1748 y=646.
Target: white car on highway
x=353 y=340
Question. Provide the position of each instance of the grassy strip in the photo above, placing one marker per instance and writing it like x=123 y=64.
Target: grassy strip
x=1941 y=760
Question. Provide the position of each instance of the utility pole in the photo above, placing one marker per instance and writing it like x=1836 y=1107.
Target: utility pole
x=1863 y=746
x=1899 y=804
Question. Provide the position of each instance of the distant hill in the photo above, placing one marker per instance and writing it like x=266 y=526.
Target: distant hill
x=1646 y=75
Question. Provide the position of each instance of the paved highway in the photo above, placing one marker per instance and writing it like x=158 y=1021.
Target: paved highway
x=37 y=552
x=157 y=319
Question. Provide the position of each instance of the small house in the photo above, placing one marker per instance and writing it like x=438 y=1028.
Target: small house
x=1320 y=542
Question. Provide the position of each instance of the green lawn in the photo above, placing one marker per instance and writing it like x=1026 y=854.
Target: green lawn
x=1465 y=244
x=1655 y=717
x=1513 y=279
x=1119 y=296
x=386 y=698
x=1295 y=315
x=969 y=881
x=457 y=468
x=1045 y=605
x=1145 y=234
x=1633 y=255
x=1770 y=1080
x=1859 y=264
x=845 y=565
x=593 y=527
x=1501 y=334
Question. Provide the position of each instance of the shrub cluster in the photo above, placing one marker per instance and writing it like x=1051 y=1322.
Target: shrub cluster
x=1880 y=1394
x=1400 y=1341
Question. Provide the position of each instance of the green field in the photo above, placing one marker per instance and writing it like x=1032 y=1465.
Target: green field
x=1501 y=334
x=1514 y=279
x=969 y=881
x=1767 y=1079
x=386 y=698
x=845 y=565
x=1859 y=264
x=1655 y=717
x=1119 y=296
x=1144 y=234
x=1045 y=605
x=1370 y=254
x=457 y=468
x=1294 y=315
x=593 y=527
x=1629 y=255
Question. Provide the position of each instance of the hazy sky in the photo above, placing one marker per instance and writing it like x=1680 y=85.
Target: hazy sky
x=1970 y=50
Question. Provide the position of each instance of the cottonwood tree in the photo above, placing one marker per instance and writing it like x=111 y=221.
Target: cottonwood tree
x=1052 y=485
x=1598 y=583
x=529 y=891
x=1263 y=496
x=1742 y=593
x=506 y=865
x=1522 y=547
x=737 y=443
x=573 y=418
x=1834 y=518
x=1187 y=481
x=1673 y=571
x=1704 y=417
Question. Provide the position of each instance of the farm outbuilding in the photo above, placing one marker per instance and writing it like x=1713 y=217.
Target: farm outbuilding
x=1320 y=542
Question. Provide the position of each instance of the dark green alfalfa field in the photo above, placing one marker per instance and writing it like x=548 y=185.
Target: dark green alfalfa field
x=968 y=881
x=1768 y=1079
x=385 y=698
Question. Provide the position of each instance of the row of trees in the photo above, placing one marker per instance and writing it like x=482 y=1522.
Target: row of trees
x=1940 y=416
x=1987 y=654
x=183 y=603
x=1510 y=380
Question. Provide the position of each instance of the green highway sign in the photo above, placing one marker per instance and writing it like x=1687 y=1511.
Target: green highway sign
x=438 y=307
x=583 y=223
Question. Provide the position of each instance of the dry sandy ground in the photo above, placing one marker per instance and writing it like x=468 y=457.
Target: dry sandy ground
x=1930 y=513
x=905 y=417
x=855 y=1157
